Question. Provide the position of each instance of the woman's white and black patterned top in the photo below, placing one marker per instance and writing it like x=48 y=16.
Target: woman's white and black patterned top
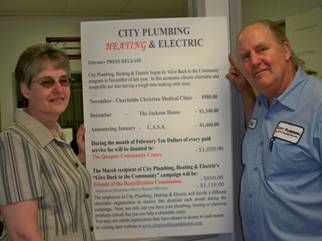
x=36 y=165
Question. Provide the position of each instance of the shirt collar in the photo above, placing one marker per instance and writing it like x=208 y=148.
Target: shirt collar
x=39 y=131
x=290 y=96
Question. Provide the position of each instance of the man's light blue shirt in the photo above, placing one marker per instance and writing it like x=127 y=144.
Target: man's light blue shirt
x=281 y=189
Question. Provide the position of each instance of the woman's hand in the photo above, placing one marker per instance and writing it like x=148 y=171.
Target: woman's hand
x=80 y=140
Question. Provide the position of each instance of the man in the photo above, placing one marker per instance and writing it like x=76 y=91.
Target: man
x=281 y=188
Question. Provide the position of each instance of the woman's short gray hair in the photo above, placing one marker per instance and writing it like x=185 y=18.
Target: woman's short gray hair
x=30 y=62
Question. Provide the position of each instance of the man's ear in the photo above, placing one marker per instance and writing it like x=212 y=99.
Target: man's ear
x=287 y=50
x=25 y=90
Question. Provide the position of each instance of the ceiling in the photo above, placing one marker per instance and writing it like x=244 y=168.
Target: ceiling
x=111 y=8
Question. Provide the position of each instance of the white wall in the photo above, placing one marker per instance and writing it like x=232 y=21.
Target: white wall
x=275 y=10
x=17 y=33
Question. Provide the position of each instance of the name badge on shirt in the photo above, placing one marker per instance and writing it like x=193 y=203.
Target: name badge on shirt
x=252 y=123
x=288 y=132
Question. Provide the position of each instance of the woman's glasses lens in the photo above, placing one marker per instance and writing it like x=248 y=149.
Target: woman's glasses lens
x=50 y=82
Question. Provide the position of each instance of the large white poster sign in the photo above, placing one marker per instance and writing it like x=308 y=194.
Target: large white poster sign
x=158 y=126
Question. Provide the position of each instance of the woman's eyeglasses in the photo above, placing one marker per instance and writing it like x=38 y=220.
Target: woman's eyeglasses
x=48 y=82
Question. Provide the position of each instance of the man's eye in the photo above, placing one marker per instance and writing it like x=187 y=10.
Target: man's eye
x=245 y=57
x=262 y=49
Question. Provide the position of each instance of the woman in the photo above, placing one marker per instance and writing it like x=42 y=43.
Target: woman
x=44 y=188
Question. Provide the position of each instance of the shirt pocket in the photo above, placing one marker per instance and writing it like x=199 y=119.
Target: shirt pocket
x=287 y=158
